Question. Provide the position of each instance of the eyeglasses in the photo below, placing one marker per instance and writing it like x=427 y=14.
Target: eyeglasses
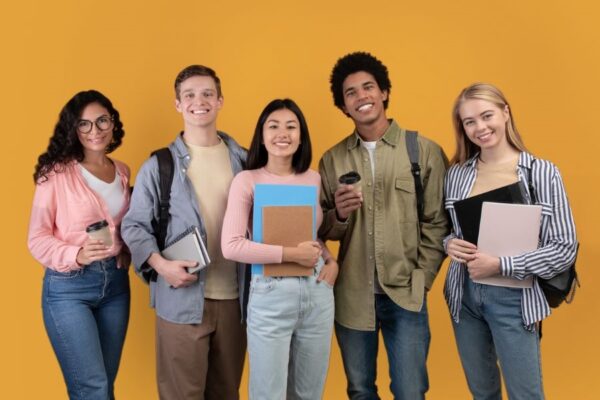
x=103 y=123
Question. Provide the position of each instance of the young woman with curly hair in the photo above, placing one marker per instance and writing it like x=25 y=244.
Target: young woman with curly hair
x=85 y=298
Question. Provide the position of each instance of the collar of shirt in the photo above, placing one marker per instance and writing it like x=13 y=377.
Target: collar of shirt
x=238 y=154
x=391 y=136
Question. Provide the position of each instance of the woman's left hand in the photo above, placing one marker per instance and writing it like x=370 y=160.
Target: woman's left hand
x=483 y=266
x=329 y=272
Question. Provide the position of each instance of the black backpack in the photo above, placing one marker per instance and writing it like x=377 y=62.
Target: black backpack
x=560 y=288
x=166 y=171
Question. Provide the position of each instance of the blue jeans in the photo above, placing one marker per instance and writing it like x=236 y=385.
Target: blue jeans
x=86 y=314
x=290 y=322
x=490 y=329
x=406 y=338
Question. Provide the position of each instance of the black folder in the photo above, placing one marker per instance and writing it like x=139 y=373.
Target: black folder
x=468 y=211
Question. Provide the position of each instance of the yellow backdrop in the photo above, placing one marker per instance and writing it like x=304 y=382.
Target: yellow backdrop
x=543 y=54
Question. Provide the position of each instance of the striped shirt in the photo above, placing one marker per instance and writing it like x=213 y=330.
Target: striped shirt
x=558 y=242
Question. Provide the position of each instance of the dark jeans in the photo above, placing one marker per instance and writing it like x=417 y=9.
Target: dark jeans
x=406 y=337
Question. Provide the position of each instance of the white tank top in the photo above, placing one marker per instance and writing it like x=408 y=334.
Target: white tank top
x=111 y=193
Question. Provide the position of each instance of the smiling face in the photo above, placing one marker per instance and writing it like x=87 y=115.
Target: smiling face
x=96 y=140
x=281 y=134
x=199 y=102
x=363 y=99
x=484 y=123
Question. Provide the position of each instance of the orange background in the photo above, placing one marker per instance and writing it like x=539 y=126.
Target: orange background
x=543 y=54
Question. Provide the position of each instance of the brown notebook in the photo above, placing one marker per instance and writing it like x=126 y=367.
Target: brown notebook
x=287 y=226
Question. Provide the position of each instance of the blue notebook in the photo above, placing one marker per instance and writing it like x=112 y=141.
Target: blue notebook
x=280 y=195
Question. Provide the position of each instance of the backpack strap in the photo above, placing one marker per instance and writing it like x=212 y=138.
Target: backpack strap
x=413 y=155
x=530 y=183
x=166 y=172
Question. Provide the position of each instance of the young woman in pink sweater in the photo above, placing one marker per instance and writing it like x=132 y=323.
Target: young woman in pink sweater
x=85 y=298
x=290 y=319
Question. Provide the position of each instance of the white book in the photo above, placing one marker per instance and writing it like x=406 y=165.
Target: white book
x=188 y=246
x=508 y=230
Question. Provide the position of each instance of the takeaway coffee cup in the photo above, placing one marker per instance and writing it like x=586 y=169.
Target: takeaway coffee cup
x=351 y=178
x=100 y=230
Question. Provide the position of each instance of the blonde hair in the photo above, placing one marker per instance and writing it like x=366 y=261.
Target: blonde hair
x=465 y=149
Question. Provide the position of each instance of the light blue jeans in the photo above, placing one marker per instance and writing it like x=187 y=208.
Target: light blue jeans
x=290 y=322
x=406 y=337
x=490 y=330
x=86 y=314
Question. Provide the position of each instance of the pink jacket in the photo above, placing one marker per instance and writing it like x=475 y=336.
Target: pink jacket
x=63 y=206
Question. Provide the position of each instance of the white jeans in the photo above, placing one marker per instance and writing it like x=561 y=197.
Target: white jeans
x=290 y=322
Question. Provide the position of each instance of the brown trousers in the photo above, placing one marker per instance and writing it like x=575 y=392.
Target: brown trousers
x=202 y=361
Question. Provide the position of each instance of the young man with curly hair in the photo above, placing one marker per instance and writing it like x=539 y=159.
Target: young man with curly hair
x=389 y=254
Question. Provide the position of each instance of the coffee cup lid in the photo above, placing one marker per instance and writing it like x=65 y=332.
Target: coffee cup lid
x=349 y=178
x=96 y=226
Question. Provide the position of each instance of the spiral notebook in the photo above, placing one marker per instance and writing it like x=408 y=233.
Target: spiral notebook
x=188 y=246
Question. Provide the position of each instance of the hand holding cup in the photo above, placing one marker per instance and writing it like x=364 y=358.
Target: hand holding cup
x=348 y=196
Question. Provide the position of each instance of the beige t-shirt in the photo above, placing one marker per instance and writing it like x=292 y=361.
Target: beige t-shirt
x=211 y=175
x=490 y=177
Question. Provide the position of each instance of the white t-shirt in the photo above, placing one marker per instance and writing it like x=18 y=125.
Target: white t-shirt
x=370 y=146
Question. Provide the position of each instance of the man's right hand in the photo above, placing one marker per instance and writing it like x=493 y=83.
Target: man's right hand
x=174 y=272
x=347 y=200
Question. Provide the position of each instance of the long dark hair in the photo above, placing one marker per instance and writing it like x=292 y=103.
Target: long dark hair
x=64 y=145
x=258 y=156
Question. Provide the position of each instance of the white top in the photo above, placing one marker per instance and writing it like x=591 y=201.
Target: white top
x=111 y=193
x=370 y=146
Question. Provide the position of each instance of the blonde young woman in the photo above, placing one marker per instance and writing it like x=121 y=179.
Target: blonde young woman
x=496 y=327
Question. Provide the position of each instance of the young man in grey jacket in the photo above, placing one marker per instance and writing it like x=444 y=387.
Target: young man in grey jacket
x=200 y=335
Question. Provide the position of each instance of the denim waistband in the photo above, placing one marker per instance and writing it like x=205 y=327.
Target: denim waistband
x=316 y=270
x=102 y=265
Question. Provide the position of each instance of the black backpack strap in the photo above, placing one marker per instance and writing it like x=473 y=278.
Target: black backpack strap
x=412 y=147
x=166 y=172
x=530 y=183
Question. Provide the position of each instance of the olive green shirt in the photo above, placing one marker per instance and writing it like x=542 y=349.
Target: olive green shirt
x=385 y=232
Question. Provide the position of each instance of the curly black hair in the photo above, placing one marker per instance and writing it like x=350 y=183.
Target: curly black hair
x=64 y=145
x=356 y=62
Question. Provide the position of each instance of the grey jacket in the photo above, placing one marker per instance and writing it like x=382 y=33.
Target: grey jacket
x=183 y=305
